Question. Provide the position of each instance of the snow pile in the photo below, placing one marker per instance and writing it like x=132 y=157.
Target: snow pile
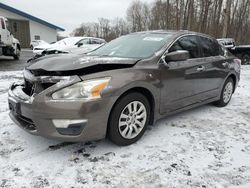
x=203 y=147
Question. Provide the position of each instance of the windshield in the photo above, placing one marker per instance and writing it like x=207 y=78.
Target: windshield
x=142 y=45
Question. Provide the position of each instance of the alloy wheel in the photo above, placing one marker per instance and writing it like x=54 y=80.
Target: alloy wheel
x=132 y=120
x=228 y=91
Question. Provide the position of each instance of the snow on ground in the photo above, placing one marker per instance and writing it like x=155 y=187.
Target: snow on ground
x=203 y=147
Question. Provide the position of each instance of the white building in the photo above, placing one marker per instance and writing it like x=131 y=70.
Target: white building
x=26 y=27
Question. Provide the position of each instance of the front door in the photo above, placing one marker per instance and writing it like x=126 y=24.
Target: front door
x=187 y=82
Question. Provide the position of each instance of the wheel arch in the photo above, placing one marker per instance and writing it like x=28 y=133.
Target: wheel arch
x=144 y=91
x=233 y=76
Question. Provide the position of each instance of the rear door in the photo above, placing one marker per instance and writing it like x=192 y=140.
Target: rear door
x=216 y=67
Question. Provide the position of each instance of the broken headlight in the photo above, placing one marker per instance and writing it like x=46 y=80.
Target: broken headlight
x=89 y=89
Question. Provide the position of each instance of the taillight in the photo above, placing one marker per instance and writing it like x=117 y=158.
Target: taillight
x=237 y=65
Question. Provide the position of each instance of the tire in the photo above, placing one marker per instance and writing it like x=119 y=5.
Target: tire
x=17 y=55
x=246 y=59
x=226 y=93
x=124 y=128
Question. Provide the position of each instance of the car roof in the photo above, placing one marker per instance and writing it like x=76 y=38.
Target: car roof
x=175 y=33
x=225 y=39
x=92 y=38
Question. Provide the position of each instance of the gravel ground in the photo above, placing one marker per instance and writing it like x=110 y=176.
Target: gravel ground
x=9 y=64
x=203 y=147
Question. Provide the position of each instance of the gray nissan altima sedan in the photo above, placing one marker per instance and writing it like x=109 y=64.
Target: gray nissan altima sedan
x=122 y=87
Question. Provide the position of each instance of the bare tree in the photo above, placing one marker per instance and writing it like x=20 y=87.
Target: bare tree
x=138 y=15
x=219 y=18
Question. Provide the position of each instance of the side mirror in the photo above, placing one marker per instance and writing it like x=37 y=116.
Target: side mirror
x=79 y=44
x=179 y=55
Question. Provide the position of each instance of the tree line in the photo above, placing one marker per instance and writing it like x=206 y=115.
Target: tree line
x=218 y=18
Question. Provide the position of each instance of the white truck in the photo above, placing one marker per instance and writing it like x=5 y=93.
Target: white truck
x=9 y=46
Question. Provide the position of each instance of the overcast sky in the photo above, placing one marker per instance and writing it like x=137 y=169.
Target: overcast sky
x=69 y=14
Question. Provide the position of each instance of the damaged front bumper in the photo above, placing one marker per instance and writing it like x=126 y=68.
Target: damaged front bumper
x=62 y=120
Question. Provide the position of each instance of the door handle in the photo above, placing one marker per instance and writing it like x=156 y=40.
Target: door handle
x=200 y=68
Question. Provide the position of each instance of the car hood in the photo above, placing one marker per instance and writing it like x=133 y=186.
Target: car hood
x=51 y=46
x=43 y=46
x=71 y=62
x=60 y=47
x=75 y=50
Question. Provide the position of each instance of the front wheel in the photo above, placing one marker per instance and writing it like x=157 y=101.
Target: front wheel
x=226 y=93
x=129 y=119
x=17 y=55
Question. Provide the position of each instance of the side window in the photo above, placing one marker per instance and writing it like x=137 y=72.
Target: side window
x=175 y=47
x=84 y=41
x=2 y=23
x=189 y=43
x=209 y=47
x=96 y=41
x=216 y=48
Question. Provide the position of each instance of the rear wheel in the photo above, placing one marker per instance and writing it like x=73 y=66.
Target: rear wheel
x=226 y=93
x=129 y=119
x=246 y=59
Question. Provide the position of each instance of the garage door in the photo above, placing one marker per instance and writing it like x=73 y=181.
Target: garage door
x=21 y=30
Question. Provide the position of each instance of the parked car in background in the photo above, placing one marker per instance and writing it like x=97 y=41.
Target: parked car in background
x=241 y=51
x=9 y=45
x=68 y=44
x=35 y=43
x=63 y=43
x=85 y=45
x=74 y=50
x=79 y=50
x=120 y=88
x=227 y=42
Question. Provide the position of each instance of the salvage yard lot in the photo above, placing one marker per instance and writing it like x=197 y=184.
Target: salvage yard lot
x=203 y=147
